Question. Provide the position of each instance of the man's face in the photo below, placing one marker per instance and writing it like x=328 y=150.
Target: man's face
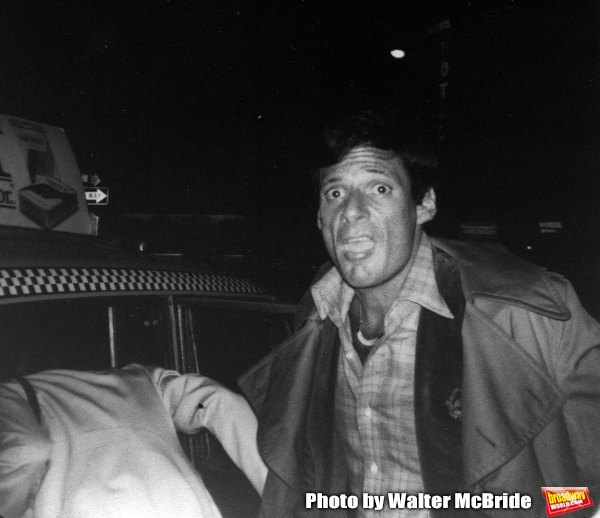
x=369 y=222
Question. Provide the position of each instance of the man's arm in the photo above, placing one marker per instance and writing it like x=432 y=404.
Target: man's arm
x=24 y=453
x=197 y=402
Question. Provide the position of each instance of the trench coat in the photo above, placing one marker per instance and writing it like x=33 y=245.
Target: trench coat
x=528 y=415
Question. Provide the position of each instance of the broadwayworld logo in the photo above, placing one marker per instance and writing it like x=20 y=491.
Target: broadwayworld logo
x=560 y=500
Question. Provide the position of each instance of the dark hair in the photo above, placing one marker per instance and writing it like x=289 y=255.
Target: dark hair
x=372 y=129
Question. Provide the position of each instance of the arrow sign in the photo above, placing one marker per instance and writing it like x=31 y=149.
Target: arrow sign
x=97 y=196
x=90 y=179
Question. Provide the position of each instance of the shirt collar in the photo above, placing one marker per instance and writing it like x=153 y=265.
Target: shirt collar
x=332 y=295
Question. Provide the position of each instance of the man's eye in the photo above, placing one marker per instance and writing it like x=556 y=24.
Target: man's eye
x=333 y=194
x=382 y=189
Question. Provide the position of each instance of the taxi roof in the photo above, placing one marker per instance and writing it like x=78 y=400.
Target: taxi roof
x=36 y=262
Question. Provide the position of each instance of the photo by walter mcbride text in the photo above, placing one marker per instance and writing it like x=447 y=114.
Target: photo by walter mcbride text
x=419 y=501
x=421 y=365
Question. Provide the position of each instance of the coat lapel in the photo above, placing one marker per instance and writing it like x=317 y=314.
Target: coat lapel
x=507 y=398
x=438 y=373
x=438 y=382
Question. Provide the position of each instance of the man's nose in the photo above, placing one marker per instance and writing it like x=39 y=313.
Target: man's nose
x=355 y=207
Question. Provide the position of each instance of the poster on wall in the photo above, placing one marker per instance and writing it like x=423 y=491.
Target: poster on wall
x=40 y=183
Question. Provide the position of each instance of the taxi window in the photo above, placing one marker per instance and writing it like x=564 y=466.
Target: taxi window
x=229 y=337
x=84 y=334
x=142 y=332
x=66 y=334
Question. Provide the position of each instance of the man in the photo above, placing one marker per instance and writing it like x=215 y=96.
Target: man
x=106 y=443
x=422 y=366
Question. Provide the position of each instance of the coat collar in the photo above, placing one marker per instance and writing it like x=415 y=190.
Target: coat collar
x=489 y=270
x=485 y=269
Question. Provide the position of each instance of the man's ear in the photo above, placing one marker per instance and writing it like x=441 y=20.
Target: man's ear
x=427 y=208
x=319 y=219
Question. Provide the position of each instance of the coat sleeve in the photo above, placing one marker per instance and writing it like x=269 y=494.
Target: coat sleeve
x=24 y=453
x=577 y=369
x=196 y=402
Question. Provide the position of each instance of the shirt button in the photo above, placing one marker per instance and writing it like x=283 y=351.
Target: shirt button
x=374 y=468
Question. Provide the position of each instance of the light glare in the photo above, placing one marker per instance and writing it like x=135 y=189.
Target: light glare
x=398 y=54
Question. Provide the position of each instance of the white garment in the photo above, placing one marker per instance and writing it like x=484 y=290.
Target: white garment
x=114 y=451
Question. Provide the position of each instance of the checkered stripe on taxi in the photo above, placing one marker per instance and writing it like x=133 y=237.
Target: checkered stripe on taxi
x=19 y=282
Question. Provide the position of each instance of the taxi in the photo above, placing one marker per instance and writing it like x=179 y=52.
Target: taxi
x=74 y=302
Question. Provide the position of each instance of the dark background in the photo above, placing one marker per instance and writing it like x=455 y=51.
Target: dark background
x=204 y=108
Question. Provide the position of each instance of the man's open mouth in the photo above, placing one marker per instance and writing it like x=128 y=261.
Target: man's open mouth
x=358 y=247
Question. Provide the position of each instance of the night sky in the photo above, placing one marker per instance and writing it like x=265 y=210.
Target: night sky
x=211 y=107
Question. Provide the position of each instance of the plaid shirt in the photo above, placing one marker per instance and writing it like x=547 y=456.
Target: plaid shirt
x=374 y=406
